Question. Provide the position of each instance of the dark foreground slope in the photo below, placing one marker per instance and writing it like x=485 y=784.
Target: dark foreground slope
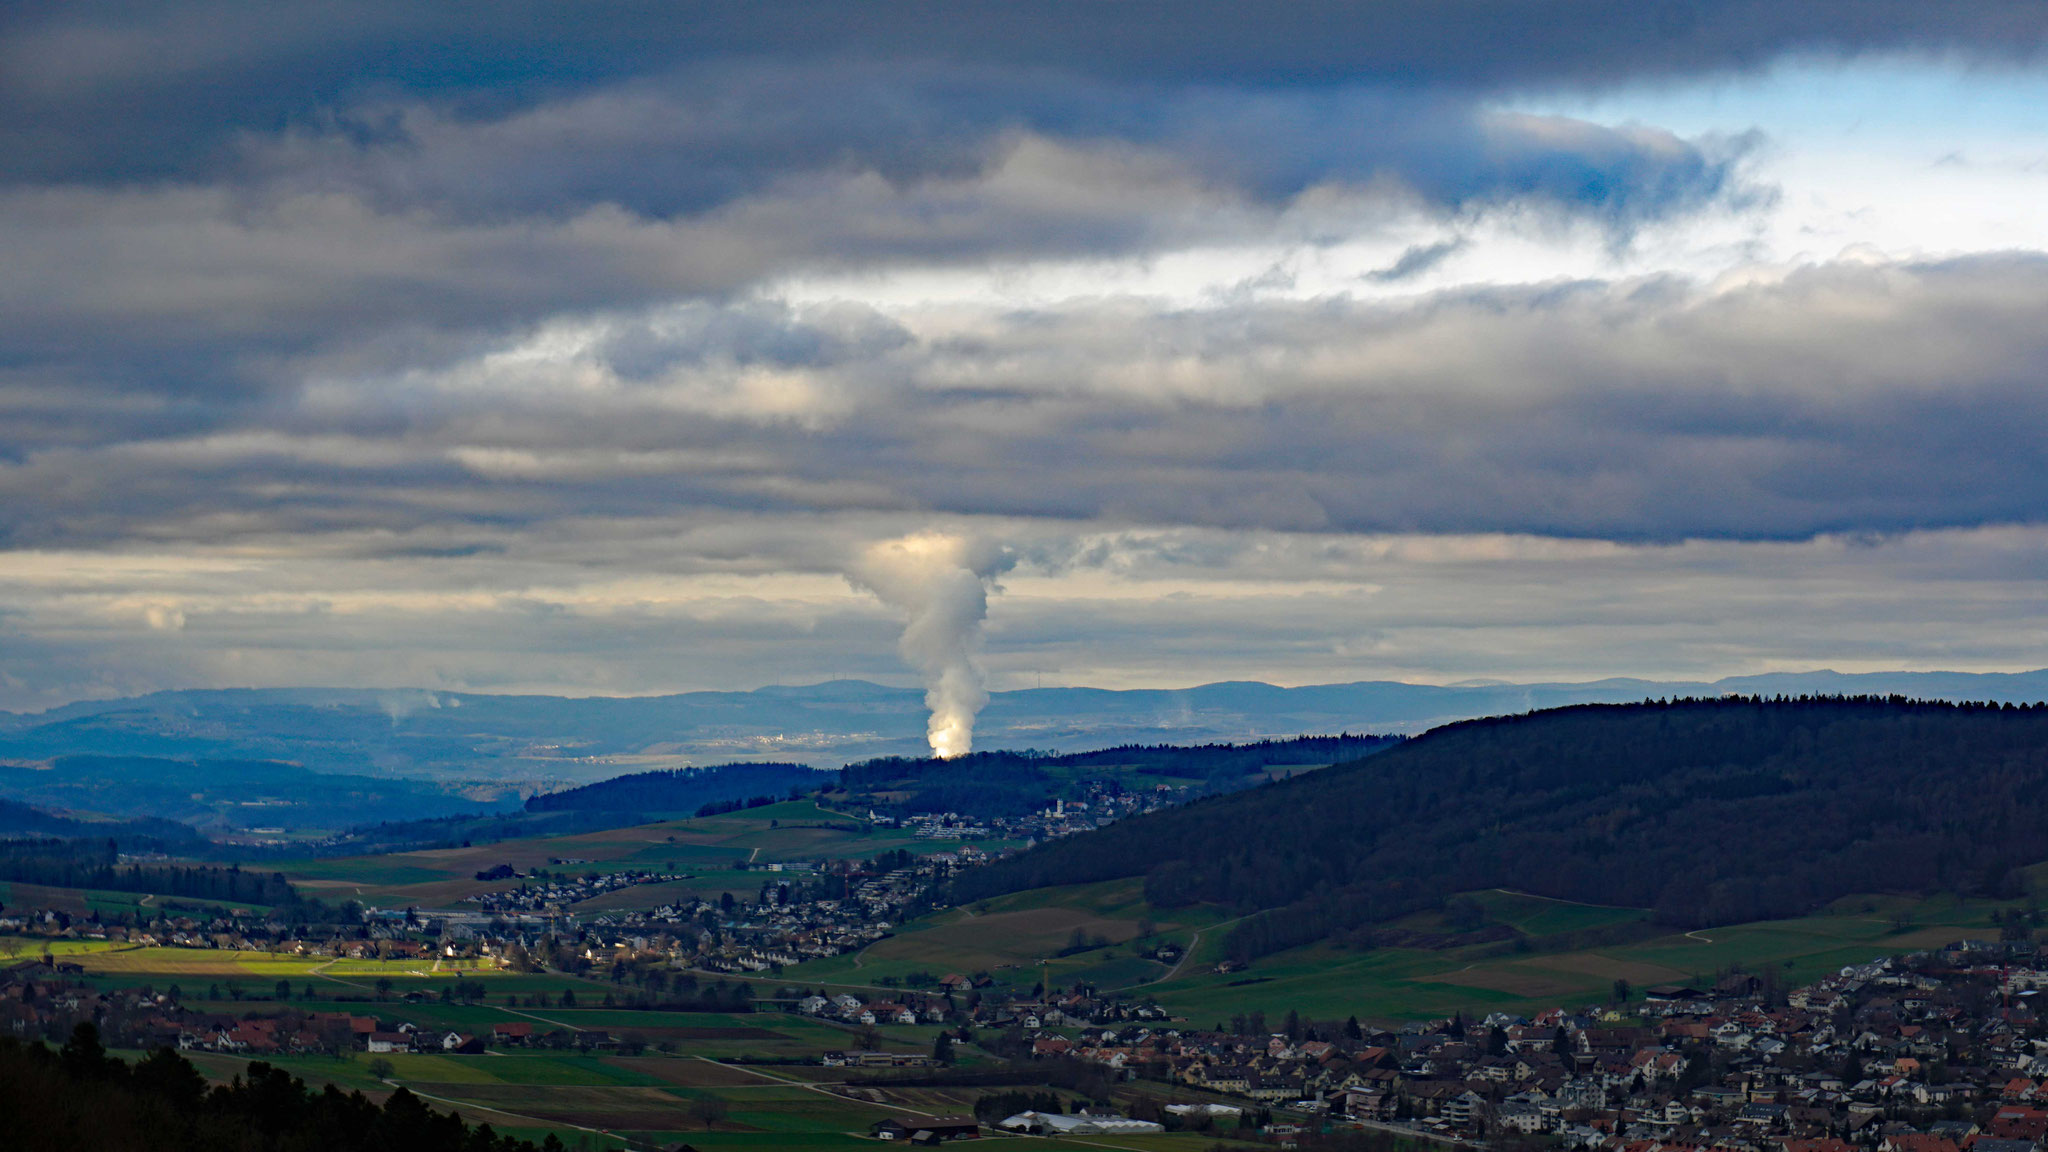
x=1709 y=812
x=79 y=1098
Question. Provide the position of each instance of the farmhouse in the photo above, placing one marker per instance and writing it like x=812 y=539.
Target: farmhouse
x=926 y=1129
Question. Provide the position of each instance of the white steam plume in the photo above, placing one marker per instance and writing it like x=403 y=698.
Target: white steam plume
x=941 y=584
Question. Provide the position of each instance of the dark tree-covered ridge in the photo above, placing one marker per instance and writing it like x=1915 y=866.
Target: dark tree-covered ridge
x=96 y=864
x=1012 y=783
x=1707 y=811
x=681 y=789
x=18 y=819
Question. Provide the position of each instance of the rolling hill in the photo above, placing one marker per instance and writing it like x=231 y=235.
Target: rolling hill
x=22 y=820
x=997 y=784
x=1704 y=811
x=225 y=797
x=682 y=790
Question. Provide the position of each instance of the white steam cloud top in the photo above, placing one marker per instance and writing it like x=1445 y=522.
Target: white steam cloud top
x=940 y=583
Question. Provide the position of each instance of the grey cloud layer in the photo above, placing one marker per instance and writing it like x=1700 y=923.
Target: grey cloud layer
x=685 y=143
x=408 y=234
x=431 y=313
x=206 y=206
x=1111 y=609
x=1839 y=398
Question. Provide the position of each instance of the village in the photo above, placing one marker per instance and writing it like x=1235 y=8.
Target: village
x=1932 y=1052
x=1098 y=803
x=1937 y=1051
x=801 y=912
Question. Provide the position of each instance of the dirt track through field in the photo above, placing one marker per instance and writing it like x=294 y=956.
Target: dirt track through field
x=820 y=1088
x=1194 y=942
x=535 y=1121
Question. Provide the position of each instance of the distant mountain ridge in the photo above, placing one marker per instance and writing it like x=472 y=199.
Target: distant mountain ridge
x=21 y=820
x=554 y=741
x=222 y=796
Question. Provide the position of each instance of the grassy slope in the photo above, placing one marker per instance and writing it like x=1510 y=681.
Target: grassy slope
x=1016 y=938
x=1011 y=935
x=109 y=904
x=1394 y=984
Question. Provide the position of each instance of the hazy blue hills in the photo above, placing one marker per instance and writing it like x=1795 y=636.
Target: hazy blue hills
x=23 y=821
x=553 y=741
x=220 y=797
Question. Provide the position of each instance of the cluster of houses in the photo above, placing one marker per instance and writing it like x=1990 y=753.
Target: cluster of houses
x=44 y=1000
x=1935 y=1052
x=935 y=825
x=854 y=1010
x=1100 y=803
x=793 y=919
x=397 y=935
x=550 y=895
x=327 y=1032
x=947 y=1005
x=316 y=1032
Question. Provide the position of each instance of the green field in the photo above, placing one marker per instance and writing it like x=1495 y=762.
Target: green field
x=84 y=901
x=1016 y=939
x=1564 y=954
x=770 y=1105
x=647 y=1098
x=607 y=1097
x=1403 y=984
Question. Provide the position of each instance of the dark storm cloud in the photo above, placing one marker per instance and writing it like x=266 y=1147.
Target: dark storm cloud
x=321 y=253
x=686 y=143
x=205 y=205
x=249 y=247
x=123 y=90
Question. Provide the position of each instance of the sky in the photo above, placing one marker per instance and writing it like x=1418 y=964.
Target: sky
x=615 y=348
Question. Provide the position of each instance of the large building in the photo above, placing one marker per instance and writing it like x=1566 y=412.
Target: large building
x=1081 y=1124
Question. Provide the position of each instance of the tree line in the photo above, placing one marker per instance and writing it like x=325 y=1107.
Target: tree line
x=18 y=819
x=79 y=1097
x=682 y=789
x=1012 y=783
x=95 y=864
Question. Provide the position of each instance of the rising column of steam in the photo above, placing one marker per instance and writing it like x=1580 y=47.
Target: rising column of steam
x=940 y=582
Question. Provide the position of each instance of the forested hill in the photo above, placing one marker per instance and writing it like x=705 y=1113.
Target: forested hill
x=1707 y=811
x=682 y=789
x=137 y=835
x=1007 y=783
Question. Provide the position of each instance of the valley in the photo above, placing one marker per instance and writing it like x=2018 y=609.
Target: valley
x=792 y=972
